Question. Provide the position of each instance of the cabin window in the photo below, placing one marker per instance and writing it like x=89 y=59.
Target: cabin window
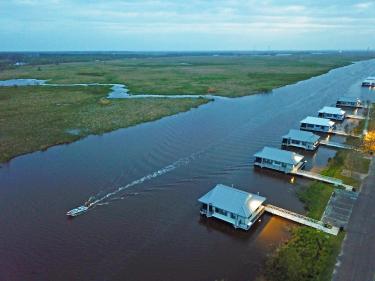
x=233 y=216
x=258 y=160
x=283 y=165
x=310 y=125
x=303 y=125
x=304 y=143
x=267 y=161
x=220 y=211
x=295 y=141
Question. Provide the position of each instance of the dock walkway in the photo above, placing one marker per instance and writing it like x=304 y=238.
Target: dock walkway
x=345 y=134
x=335 y=144
x=300 y=219
x=319 y=177
x=358 y=117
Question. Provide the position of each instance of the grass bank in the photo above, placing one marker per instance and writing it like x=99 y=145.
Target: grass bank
x=309 y=255
x=230 y=76
x=315 y=197
x=345 y=164
x=35 y=118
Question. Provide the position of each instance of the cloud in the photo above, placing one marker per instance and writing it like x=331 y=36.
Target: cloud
x=144 y=20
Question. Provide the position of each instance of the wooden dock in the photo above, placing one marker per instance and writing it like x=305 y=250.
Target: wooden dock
x=301 y=219
x=358 y=117
x=319 y=177
x=343 y=133
x=335 y=144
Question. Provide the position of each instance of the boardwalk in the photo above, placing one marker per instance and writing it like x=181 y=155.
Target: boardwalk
x=345 y=134
x=358 y=117
x=319 y=177
x=300 y=219
x=335 y=144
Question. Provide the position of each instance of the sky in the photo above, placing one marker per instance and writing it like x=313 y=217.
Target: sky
x=190 y=25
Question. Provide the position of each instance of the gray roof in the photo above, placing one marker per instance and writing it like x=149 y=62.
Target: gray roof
x=232 y=200
x=349 y=99
x=318 y=121
x=280 y=155
x=301 y=136
x=332 y=110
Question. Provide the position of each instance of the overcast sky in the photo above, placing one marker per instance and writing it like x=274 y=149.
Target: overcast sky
x=185 y=25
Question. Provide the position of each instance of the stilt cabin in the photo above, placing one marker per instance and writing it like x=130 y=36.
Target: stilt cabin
x=301 y=139
x=278 y=159
x=317 y=124
x=369 y=82
x=237 y=207
x=349 y=102
x=333 y=113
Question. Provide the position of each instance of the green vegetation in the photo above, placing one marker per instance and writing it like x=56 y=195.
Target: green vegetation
x=308 y=256
x=35 y=118
x=315 y=197
x=231 y=76
x=350 y=161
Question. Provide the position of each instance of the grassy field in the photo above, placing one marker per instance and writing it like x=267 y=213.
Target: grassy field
x=35 y=118
x=308 y=256
x=315 y=197
x=230 y=76
x=352 y=161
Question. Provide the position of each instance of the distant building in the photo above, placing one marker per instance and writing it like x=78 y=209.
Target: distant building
x=301 y=139
x=237 y=207
x=349 y=102
x=334 y=113
x=317 y=124
x=369 y=82
x=278 y=159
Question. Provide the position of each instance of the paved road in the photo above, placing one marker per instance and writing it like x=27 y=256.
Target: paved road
x=357 y=260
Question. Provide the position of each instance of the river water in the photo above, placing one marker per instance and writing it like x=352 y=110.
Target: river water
x=152 y=230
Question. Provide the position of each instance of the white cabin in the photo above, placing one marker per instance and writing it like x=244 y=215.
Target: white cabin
x=349 y=102
x=369 y=82
x=237 y=207
x=278 y=159
x=301 y=139
x=333 y=113
x=317 y=124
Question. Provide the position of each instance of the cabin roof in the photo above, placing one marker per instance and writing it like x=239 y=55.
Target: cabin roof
x=280 y=155
x=332 y=110
x=301 y=136
x=233 y=200
x=349 y=99
x=318 y=121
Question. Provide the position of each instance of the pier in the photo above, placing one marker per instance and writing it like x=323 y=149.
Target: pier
x=319 y=177
x=301 y=219
x=358 y=117
x=343 y=133
x=335 y=144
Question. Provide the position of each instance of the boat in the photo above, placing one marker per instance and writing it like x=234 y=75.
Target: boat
x=77 y=211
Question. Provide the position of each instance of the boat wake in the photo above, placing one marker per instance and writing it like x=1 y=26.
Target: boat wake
x=110 y=196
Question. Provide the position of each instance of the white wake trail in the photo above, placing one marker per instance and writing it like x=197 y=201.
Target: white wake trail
x=181 y=162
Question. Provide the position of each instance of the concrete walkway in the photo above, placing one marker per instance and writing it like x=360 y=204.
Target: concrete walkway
x=356 y=262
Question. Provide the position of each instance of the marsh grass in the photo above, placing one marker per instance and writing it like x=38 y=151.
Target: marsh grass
x=35 y=118
x=225 y=76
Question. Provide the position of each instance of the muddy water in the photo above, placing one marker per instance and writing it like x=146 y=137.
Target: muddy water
x=152 y=230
